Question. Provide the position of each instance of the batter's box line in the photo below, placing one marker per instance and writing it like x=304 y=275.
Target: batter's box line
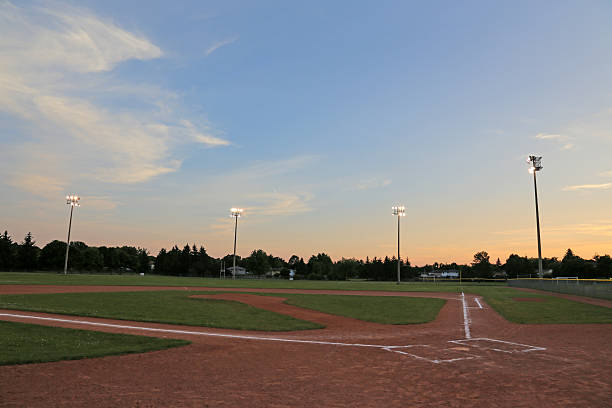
x=528 y=348
x=435 y=361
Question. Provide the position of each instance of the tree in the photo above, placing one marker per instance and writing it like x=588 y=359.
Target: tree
x=347 y=268
x=320 y=266
x=603 y=266
x=258 y=262
x=7 y=253
x=481 y=265
x=143 y=261
x=160 y=262
x=52 y=256
x=27 y=255
x=573 y=265
x=517 y=265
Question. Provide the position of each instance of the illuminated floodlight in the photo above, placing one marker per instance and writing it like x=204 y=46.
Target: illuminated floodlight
x=399 y=210
x=535 y=162
x=536 y=165
x=236 y=213
x=72 y=200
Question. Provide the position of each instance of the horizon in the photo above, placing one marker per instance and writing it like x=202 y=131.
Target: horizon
x=316 y=119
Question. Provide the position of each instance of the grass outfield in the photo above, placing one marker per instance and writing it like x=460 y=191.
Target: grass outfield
x=173 y=307
x=21 y=278
x=22 y=343
x=544 y=310
x=377 y=309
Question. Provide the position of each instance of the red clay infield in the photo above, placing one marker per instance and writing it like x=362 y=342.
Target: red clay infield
x=349 y=363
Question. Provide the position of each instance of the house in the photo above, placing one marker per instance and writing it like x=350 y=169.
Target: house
x=240 y=271
x=450 y=273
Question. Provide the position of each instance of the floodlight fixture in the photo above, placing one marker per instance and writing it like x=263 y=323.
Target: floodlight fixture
x=535 y=162
x=236 y=213
x=72 y=200
x=399 y=211
x=536 y=165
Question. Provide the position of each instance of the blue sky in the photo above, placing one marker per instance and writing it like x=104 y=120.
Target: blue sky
x=316 y=117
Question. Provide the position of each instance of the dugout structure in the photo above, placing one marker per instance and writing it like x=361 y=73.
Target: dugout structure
x=597 y=288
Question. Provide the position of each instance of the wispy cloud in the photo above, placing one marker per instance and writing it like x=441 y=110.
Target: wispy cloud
x=547 y=136
x=263 y=169
x=563 y=139
x=54 y=84
x=372 y=183
x=606 y=173
x=215 y=46
x=279 y=203
x=604 y=186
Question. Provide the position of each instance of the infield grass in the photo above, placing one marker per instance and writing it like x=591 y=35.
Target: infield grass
x=22 y=343
x=172 y=307
x=377 y=309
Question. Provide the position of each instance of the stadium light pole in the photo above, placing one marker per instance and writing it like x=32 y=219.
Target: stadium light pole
x=73 y=201
x=400 y=211
x=236 y=212
x=536 y=165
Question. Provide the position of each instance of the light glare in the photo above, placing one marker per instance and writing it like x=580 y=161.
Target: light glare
x=399 y=210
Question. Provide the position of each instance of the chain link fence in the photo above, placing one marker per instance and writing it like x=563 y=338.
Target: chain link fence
x=597 y=288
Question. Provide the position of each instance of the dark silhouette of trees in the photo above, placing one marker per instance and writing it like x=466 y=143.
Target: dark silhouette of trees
x=7 y=252
x=194 y=261
x=603 y=266
x=27 y=254
x=52 y=256
x=481 y=265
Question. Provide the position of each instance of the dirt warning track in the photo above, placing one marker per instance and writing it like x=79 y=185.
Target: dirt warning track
x=468 y=356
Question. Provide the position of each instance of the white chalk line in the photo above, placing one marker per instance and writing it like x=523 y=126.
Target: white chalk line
x=471 y=343
x=478 y=302
x=278 y=339
x=466 y=318
x=235 y=336
x=197 y=333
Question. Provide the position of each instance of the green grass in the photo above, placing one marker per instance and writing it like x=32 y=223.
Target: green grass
x=21 y=278
x=22 y=343
x=377 y=309
x=552 y=310
x=498 y=295
x=173 y=307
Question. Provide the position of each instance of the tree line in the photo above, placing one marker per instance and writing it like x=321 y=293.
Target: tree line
x=195 y=261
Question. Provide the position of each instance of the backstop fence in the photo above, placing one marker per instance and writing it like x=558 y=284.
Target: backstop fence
x=598 y=288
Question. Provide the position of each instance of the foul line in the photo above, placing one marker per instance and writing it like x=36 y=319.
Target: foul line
x=466 y=319
x=234 y=336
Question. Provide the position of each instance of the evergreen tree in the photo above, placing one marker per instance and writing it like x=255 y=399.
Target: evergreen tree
x=27 y=256
x=7 y=253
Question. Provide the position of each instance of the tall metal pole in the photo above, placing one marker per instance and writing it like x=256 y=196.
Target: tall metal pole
x=235 y=233
x=535 y=187
x=68 y=241
x=398 y=249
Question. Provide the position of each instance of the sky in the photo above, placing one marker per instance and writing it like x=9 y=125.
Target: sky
x=316 y=118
